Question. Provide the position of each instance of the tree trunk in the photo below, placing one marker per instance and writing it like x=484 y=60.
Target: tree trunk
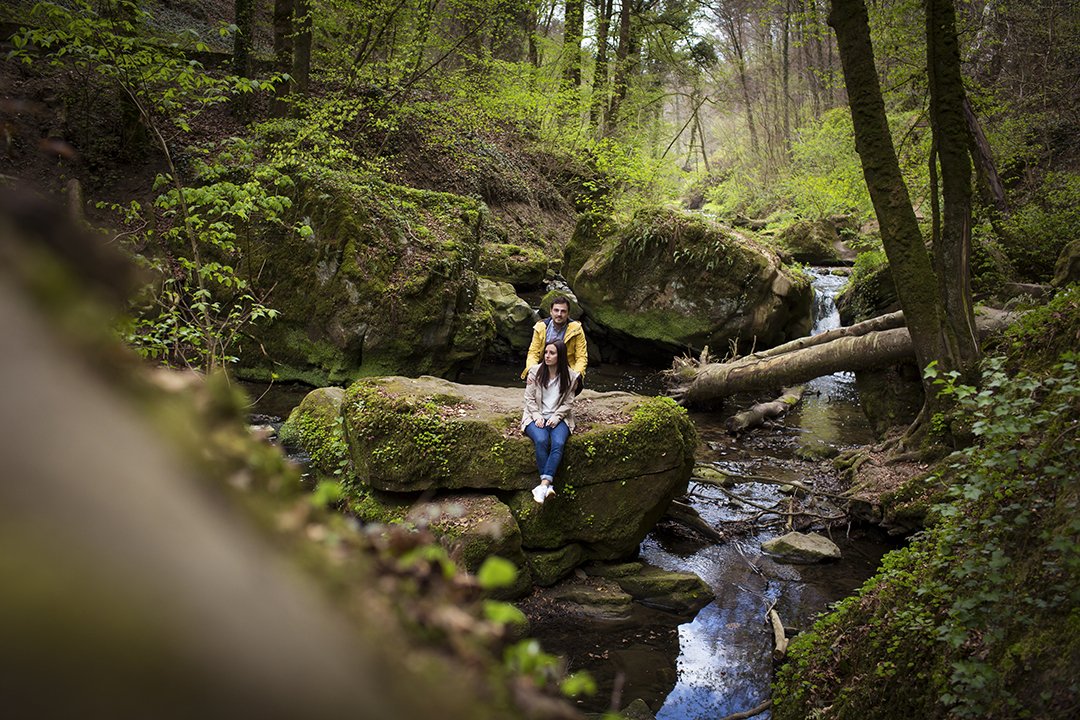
x=623 y=60
x=909 y=262
x=786 y=84
x=574 y=20
x=242 y=40
x=685 y=515
x=949 y=124
x=989 y=180
x=817 y=61
x=302 y=50
x=707 y=384
x=600 y=72
x=283 y=54
x=734 y=29
x=717 y=381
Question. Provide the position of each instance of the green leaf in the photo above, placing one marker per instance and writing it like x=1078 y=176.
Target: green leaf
x=505 y=613
x=496 y=572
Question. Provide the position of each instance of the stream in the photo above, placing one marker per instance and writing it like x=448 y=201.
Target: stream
x=720 y=662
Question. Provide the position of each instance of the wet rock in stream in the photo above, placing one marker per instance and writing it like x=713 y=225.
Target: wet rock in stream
x=796 y=547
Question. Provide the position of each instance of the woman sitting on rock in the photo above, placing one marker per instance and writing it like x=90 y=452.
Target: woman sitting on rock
x=548 y=418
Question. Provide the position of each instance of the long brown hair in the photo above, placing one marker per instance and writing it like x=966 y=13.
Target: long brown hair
x=562 y=367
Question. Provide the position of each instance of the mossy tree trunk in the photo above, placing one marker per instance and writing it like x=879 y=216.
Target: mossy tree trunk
x=283 y=53
x=301 y=67
x=625 y=61
x=245 y=27
x=600 y=71
x=916 y=282
x=952 y=250
x=575 y=21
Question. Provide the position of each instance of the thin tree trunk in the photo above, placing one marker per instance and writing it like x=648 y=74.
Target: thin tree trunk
x=600 y=72
x=242 y=39
x=283 y=53
x=701 y=137
x=786 y=83
x=622 y=67
x=574 y=20
x=819 y=62
x=735 y=34
x=302 y=49
x=949 y=124
x=989 y=180
x=759 y=413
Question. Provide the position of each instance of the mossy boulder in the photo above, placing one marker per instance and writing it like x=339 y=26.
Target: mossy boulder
x=382 y=280
x=668 y=280
x=629 y=457
x=513 y=316
x=547 y=566
x=520 y=265
x=599 y=599
x=1067 y=268
x=870 y=291
x=472 y=528
x=315 y=426
x=683 y=593
x=815 y=242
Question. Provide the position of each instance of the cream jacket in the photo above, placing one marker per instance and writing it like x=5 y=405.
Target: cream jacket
x=565 y=409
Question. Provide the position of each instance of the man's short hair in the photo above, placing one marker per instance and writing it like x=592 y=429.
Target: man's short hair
x=561 y=300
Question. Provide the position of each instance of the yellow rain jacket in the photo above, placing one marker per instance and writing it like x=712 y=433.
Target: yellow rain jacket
x=577 y=351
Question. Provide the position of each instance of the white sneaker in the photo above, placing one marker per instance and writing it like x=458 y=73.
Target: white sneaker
x=541 y=491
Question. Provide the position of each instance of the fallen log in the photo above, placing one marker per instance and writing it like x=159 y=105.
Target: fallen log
x=758 y=414
x=685 y=369
x=875 y=348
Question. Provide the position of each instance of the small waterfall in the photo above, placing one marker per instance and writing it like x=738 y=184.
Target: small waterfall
x=826 y=286
x=827 y=317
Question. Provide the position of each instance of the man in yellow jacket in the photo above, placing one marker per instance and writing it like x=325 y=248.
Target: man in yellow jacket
x=560 y=327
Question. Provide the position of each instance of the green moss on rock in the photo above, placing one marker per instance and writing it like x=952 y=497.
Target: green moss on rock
x=389 y=284
x=667 y=280
x=548 y=567
x=315 y=425
x=811 y=241
x=679 y=592
x=617 y=478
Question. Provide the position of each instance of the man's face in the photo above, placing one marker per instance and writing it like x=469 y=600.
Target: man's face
x=560 y=314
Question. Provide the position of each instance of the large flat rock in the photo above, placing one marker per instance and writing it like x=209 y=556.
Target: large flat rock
x=629 y=457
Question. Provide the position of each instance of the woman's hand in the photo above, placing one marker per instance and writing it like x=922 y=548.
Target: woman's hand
x=540 y=423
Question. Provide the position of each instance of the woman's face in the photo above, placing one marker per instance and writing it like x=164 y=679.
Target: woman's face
x=551 y=356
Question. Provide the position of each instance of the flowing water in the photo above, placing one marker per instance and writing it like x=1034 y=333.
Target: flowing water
x=720 y=662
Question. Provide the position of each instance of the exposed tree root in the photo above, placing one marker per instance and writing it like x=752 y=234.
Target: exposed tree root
x=687 y=516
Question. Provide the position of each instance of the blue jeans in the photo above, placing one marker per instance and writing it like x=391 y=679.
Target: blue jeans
x=548 y=443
